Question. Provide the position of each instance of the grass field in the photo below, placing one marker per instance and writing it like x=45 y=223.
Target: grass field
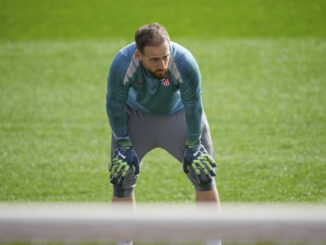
x=264 y=92
x=264 y=100
x=47 y=19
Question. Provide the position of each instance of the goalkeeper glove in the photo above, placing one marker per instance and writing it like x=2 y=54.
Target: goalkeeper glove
x=124 y=159
x=197 y=158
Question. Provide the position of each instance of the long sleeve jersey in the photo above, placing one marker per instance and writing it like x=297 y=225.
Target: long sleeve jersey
x=129 y=83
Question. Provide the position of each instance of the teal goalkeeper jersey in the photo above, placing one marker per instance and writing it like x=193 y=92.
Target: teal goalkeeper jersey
x=129 y=83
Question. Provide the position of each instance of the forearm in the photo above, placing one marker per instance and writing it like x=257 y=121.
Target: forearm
x=117 y=117
x=194 y=113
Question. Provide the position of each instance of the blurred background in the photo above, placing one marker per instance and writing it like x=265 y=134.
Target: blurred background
x=68 y=19
x=263 y=80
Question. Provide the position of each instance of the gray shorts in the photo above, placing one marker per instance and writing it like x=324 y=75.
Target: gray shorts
x=147 y=132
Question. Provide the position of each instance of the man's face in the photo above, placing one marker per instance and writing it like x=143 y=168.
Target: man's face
x=156 y=59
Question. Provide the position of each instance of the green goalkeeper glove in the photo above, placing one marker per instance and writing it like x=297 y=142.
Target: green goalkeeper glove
x=124 y=159
x=197 y=158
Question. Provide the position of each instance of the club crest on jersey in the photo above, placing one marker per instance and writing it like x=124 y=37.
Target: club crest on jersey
x=165 y=82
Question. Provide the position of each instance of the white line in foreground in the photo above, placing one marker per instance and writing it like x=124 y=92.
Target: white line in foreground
x=236 y=222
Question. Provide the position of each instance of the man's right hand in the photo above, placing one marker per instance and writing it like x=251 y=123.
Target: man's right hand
x=124 y=159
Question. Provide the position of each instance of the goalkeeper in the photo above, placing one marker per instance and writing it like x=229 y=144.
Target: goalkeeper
x=154 y=100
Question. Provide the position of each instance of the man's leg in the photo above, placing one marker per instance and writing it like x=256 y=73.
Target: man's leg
x=131 y=199
x=210 y=196
x=126 y=201
x=123 y=196
x=143 y=138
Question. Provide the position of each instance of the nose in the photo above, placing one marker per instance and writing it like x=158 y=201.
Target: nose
x=162 y=64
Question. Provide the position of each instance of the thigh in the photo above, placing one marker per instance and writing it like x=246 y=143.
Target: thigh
x=147 y=132
x=173 y=135
x=141 y=131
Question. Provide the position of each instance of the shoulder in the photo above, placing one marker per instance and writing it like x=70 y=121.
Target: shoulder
x=184 y=61
x=123 y=57
x=124 y=64
x=180 y=53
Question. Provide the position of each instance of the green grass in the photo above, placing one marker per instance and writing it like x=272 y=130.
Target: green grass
x=47 y=19
x=264 y=99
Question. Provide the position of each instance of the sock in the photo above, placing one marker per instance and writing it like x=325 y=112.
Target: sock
x=124 y=243
x=216 y=242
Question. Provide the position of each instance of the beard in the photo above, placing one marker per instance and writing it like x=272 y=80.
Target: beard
x=159 y=74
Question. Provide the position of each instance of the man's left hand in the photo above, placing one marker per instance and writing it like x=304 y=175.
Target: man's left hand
x=197 y=158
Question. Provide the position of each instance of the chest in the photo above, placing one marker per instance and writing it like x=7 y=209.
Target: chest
x=143 y=84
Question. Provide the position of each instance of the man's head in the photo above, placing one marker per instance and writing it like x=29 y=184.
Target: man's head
x=153 y=49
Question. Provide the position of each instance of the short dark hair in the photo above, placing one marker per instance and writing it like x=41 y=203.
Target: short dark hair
x=152 y=34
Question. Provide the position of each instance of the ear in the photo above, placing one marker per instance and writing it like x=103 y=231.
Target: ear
x=138 y=54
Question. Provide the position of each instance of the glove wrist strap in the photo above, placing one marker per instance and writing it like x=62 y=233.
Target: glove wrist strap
x=124 y=144
x=192 y=144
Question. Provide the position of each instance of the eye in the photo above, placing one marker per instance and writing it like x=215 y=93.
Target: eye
x=155 y=59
